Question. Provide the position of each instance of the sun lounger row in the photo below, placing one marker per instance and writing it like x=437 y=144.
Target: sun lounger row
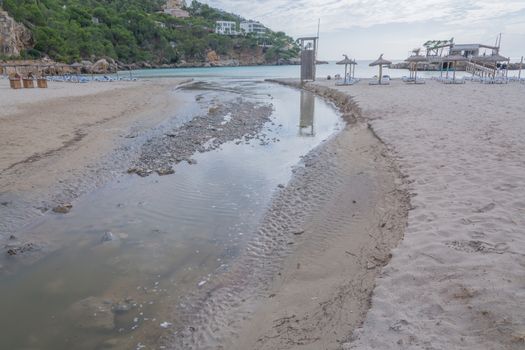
x=413 y=80
x=83 y=79
x=449 y=80
x=385 y=80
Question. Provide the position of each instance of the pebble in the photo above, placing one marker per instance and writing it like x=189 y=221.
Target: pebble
x=107 y=237
x=63 y=208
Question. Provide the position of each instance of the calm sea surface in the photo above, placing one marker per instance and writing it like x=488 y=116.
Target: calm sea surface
x=362 y=70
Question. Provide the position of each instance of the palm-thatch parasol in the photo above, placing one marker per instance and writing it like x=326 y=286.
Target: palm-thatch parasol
x=347 y=61
x=454 y=59
x=415 y=60
x=380 y=62
x=491 y=58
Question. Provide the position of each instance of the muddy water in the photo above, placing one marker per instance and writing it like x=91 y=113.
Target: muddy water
x=170 y=235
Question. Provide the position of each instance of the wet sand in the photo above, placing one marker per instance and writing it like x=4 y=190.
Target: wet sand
x=54 y=140
x=456 y=280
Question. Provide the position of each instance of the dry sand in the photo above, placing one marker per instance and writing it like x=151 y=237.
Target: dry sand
x=457 y=280
x=58 y=135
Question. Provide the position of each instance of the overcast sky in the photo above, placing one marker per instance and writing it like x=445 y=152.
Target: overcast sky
x=366 y=28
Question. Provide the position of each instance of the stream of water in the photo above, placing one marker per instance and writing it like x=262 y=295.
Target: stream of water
x=170 y=235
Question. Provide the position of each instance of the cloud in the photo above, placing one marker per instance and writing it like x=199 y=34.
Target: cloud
x=298 y=16
x=397 y=25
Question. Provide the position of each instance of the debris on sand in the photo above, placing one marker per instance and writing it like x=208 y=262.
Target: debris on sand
x=201 y=283
x=63 y=208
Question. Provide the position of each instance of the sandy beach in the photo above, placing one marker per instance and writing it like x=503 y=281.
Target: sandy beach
x=403 y=230
x=456 y=280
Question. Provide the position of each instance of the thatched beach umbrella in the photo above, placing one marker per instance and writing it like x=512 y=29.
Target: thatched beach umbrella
x=346 y=61
x=415 y=60
x=380 y=62
x=454 y=59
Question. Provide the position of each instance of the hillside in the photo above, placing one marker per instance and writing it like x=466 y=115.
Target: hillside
x=136 y=31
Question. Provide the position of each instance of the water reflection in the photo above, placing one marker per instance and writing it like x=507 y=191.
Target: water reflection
x=307 y=111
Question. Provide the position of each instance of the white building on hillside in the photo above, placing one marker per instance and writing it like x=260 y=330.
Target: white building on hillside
x=253 y=27
x=226 y=28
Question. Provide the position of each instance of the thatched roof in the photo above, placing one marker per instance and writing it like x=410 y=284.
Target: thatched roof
x=346 y=60
x=454 y=58
x=491 y=58
x=380 y=61
x=416 y=59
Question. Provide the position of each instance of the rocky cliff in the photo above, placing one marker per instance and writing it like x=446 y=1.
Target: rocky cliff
x=14 y=37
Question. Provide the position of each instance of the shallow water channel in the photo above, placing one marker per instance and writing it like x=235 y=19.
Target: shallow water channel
x=170 y=235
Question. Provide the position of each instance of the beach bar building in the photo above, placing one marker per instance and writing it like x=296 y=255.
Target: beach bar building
x=469 y=50
x=253 y=27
